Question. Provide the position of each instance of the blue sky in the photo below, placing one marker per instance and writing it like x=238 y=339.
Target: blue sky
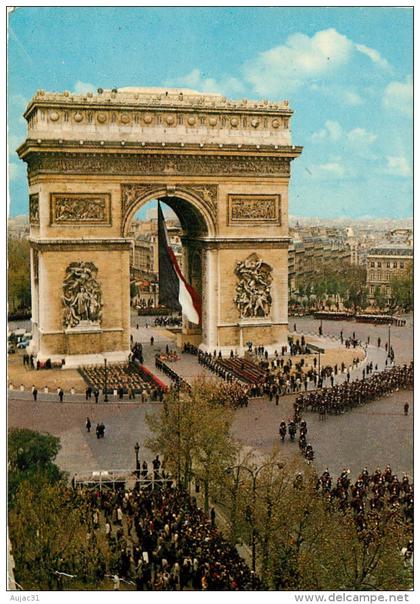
x=347 y=73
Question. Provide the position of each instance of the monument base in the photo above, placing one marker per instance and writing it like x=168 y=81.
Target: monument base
x=74 y=361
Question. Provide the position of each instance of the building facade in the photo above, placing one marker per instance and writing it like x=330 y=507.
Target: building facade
x=383 y=264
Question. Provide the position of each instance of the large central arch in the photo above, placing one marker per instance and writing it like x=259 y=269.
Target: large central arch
x=198 y=227
x=223 y=166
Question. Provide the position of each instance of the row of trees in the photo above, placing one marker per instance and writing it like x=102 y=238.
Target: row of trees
x=18 y=276
x=330 y=286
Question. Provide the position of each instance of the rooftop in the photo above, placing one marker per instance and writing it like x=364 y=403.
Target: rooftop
x=391 y=251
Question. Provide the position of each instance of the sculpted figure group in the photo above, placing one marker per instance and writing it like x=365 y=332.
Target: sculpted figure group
x=82 y=296
x=253 y=291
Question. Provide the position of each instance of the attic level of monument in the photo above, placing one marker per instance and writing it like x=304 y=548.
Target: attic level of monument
x=163 y=117
x=223 y=166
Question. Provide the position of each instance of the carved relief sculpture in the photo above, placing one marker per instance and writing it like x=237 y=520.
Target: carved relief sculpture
x=253 y=208
x=151 y=165
x=34 y=208
x=82 y=295
x=253 y=291
x=131 y=193
x=88 y=208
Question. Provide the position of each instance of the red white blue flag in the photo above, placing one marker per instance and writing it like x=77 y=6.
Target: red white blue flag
x=174 y=291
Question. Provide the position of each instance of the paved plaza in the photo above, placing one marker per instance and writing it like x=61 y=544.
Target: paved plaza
x=373 y=435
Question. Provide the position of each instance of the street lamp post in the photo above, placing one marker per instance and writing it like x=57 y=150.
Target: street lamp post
x=136 y=450
x=389 y=340
x=319 y=366
x=106 y=382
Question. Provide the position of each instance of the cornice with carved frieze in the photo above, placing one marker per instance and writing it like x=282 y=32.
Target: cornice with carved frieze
x=157 y=164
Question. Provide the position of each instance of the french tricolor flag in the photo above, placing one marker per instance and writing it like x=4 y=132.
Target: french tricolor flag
x=174 y=291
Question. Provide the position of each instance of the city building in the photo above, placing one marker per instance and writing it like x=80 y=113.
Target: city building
x=145 y=258
x=384 y=263
x=310 y=255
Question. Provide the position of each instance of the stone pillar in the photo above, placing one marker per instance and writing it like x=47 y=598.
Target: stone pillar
x=210 y=298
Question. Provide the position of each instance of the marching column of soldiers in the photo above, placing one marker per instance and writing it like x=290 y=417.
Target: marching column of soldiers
x=209 y=361
x=179 y=382
x=346 y=396
x=291 y=428
x=370 y=493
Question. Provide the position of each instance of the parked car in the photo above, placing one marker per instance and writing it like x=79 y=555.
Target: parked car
x=22 y=344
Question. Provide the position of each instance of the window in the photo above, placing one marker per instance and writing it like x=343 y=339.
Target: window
x=401 y=264
x=395 y=264
x=372 y=265
x=379 y=264
x=388 y=265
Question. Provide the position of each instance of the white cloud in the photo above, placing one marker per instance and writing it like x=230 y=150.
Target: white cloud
x=18 y=102
x=398 y=166
x=332 y=168
x=14 y=142
x=285 y=68
x=83 y=87
x=195 y=80
x=360 y=136
x=399 y=96
x=15 y=171
x=350 y=97
x=373 y=55
x=332 y=131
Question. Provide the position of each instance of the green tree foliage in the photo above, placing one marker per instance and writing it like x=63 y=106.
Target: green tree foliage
x=50 y=531
x=18 y=278
x=380 y=298
x=402 y=289
x=305 y=542
x=346 y=281
x=193 y=433
x=31 y=458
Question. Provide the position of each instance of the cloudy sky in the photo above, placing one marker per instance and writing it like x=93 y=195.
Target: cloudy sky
x=347 y=73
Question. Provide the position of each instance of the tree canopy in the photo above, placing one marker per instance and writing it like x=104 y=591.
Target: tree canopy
x=31 y=457
x=18 y=275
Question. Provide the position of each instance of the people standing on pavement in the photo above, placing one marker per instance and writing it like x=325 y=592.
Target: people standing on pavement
x=60 y=394
x=88 y=393
x=406 y=408
x=88 y=424
x=34 y=393
x=152 y=341
x=96 y=395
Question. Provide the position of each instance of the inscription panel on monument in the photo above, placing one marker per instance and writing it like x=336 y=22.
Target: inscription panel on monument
x=249 y=210
x=80 y=208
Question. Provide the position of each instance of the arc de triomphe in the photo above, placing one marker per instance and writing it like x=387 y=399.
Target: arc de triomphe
x=223 y=166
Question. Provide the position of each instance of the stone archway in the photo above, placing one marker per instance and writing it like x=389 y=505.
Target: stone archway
x=93 y=159
x=195 y=207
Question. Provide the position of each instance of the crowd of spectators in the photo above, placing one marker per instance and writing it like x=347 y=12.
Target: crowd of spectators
x=161 y=540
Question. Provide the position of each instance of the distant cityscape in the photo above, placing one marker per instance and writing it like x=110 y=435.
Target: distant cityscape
x=381 y=246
